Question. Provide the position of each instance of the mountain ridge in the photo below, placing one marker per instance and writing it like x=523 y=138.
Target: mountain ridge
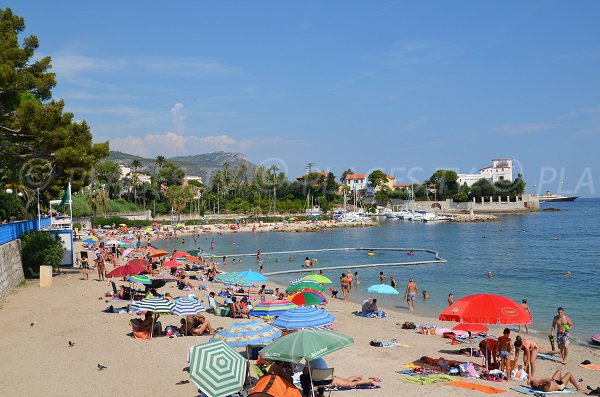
x=204 y=165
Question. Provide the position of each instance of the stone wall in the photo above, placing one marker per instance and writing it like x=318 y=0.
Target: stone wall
x=11 y=269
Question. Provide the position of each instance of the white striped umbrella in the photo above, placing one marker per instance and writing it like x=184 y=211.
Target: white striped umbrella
x=216 y=369
x=155 y=304
x=187 y=307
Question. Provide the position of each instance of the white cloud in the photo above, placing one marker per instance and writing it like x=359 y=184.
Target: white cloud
x=71 y=65
x=173 y=144
x=522 y=129
x=178 y=117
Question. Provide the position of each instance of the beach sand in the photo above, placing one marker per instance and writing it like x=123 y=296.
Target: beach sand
x=37 y=361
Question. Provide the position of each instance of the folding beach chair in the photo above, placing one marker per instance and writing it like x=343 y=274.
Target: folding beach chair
x=322 y=377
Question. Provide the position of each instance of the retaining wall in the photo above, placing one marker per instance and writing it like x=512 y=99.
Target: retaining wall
x=11 y=269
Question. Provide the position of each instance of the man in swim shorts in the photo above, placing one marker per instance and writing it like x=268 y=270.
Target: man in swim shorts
x=504 y=349
x=563 y=325
x=411 y=294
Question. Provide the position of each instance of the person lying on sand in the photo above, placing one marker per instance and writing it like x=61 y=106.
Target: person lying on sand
x=352 y=381
x=558 y=382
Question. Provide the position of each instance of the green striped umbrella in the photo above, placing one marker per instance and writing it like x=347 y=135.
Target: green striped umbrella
x=216 y=369
x=308 y=344
x=233 y=278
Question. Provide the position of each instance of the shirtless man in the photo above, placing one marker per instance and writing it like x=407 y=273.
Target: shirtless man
x=411 y=294
x=489 y=348
x=525 y=307
x=504 y=349
x=558 y=382
x=563 y=325
x=381 y=278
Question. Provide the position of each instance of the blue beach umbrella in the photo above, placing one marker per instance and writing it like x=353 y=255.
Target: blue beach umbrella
x=382 y=289
x=89 y=241
x=253 y=276
x=304 y=317
x=245 y=333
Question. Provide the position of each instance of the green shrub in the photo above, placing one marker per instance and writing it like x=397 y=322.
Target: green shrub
x=40 y=248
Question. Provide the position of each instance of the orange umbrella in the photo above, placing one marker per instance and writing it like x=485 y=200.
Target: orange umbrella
x=156 y=253
x=193 y=259
x=150 y=248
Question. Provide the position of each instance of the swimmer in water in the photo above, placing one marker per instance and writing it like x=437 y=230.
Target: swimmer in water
x=568 y=274
x=490 y=274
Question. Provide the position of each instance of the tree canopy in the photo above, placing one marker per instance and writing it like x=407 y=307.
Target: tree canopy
x=377 y=178
x=41 y=146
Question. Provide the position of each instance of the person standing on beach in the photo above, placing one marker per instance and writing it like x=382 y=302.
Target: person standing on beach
x=563 y=325
x=381 y=278
x=526 y=308
x=350 y=280
x=411 y=294
x=261 y=293
x=344 y=285
x=85 y=266
x=504 y=349
x=530 y=352
x=356 y=279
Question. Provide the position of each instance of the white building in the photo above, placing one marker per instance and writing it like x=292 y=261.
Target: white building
x=356 y=181
x=188 y=178
x=500 y=170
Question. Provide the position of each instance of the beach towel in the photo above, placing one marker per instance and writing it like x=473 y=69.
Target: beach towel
x=475 y=386
x=368 y=315
x=551 y=357
x=527 y=390
x=594 y=367
x=337 y=388
x=428 y=379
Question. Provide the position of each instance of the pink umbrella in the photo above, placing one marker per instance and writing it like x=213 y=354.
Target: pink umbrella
x=172 y=264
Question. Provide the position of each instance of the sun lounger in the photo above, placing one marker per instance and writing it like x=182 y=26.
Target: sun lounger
x=528 y=390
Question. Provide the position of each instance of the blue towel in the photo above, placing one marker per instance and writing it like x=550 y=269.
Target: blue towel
x=528 y=390
x=368 y=315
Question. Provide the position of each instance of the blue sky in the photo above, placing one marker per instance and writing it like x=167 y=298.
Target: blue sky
x=407 y=87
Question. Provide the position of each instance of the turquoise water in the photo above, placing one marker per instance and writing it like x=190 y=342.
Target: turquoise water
x=528 y=255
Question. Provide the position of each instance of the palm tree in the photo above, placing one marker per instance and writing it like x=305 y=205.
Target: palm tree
x=273 y=177
x=96 y=197
x=179 y=196
x=159 y=161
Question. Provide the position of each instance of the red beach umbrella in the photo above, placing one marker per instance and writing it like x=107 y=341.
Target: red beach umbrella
x=473 y=328
x=139 y=262
x=172 y=264
x=486 y=309
x=178 y=254
x=126 y=270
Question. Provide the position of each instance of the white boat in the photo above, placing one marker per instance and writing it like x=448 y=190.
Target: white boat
x=391 y=215
x=549 y=197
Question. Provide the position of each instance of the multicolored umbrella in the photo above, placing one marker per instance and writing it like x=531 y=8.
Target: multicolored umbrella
x=216 y=369
x=319 y=278
x=382 y=289
x=304 y=298
x=272 y=308
x=486 y=309
x=254 y=332
x=307 y=344
x=304 y=317
x=253 y=276
x=303 y=285
x=141 y=279
x=187 y=307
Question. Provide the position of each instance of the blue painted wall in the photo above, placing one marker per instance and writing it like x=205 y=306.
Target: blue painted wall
x=12 y=231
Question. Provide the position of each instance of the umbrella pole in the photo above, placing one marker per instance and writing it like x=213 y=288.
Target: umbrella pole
x=312 y=388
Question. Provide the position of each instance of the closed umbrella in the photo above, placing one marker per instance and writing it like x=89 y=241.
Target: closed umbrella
x=245 y=333
x=272 y=308
x=216 y=369
x=304 y=317
x=382 y=289
x=307 y=344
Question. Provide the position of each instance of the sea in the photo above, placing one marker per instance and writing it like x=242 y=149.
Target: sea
x=551 y=258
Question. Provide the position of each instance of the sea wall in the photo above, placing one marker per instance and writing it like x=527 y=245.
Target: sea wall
x=480 y=205
x=11 y=269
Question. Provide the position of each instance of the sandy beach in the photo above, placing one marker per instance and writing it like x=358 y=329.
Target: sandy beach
x=37 y=324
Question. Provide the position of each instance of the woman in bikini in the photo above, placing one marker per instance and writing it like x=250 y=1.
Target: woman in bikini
x=558 y=382
x=344 y=285
x=530 y=351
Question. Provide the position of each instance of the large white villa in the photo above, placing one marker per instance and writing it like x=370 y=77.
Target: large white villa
x=500 y=170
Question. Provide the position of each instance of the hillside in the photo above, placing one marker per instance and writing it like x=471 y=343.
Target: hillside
x=203 y=165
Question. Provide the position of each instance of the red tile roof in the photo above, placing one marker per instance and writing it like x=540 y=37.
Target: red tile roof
x=356 y=176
